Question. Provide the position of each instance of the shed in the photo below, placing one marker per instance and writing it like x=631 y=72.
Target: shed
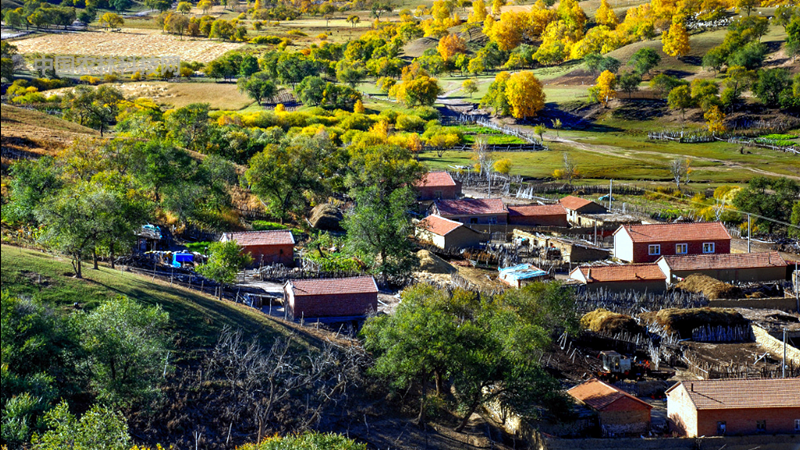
x=734 y=406
x=634 y=277
x=331 y=297
x=538 y=215
x=447 y=234
x=647 y=243
x=478 y=211
x=763 y=266
x=266 y=247
x=522 y=274
x=438 y=185
x=618 y=412
x=576 y=206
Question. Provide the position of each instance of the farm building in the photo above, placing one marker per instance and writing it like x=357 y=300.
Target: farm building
x=764 y=266
x=638 y=277
x=577 y=206
x=330 y=297
x=569 y=250
x=266 y=247
x=438 y=185
x=618 y=412
x=538 y=215
x=606 y=223
x=478 y=211
x=734 y=406
x=647 y=243
x=447 y=234
x=522 y=274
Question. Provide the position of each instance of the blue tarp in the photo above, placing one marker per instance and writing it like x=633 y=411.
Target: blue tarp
x=521 y=272
x=178 y=258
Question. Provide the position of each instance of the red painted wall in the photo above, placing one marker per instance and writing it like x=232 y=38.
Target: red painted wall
x=333 y=305
x=743 y=421
x=283 y=254
x=640 y=251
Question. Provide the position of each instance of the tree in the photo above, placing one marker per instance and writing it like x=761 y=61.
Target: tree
x=100 y=427
x=469 y=86
x=750 y=56
x=715 y=120
x=715 y=58
x=350 y=73
x=188 y=126
x=308 y=440
x=771 y=83
x=160 y=5
x=604 y=90
x=221 y=29
x=496 y=95
x=311 y=91
x=676 y=40
x=13 y=18
x=451 y=45
x=680 y=98
x=248 y=66
x=205 y=6
x=184 y=7
x=503 y=166
x=92 y=107
x=258 y=87
x=772 y=198
x=605 y=15
x=478 y=12
x=540 y=130
x=225 y=261
x=629 y=82
x=795 y=220
x=663 y=84
x=177 y=23
x=557 y=125
x=358 y=108
x=126 y=343
x=644 y=60
x=525 y=95
x=593 y=61
x=111 y=20
x=568 y=170
x=746 y=5
x=680 y=169
x=31 y=182
x=416 y=87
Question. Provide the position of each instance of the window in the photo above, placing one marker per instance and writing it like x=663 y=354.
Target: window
x=796 y=424
x=708 y=247
x=721 y=427
x=492 y=220
x=681 y=249
x=473 y=220
x=761 y=426
x=654 y=249
x=437 y=194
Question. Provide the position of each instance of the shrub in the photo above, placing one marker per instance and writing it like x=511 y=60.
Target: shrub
x=266 y=40
x=296 y=33
x=427 y=112
x=410 y=123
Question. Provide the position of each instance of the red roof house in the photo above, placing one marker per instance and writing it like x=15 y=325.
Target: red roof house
x=647 y=243
x=473 y=210
x=763 y=266
x=639 y=277
x=330 y=297
x=618 y=412
x=438 y=185
x=538 y=215
x=446 y=234
x=266 y=247
x=576 y=206
x=734 y=406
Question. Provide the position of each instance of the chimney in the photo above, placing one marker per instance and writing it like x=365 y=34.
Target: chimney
x=691 y=386
x=589 y=274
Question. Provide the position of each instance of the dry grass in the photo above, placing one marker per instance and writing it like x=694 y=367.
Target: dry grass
x=683 y=321
x=128 y=42
x=429 y=262
x=602 y=320
x=222 y=96
x=710 y=287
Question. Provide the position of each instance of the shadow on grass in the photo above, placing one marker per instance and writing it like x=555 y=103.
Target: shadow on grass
x=570 y=119
x=633 y=109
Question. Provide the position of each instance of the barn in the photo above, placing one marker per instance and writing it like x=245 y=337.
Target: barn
x=477 y=211
x=266 y=247
x=538 y=215
x=618 y=412
x=330 y=297
x=447 y=234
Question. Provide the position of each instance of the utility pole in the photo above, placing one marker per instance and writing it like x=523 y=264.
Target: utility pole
x=783 y=364
x=796 y=293
x=748 y=233
x=610 y=190
x=595 y=232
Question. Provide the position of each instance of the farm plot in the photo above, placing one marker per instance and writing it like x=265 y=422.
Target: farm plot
x=128 y=42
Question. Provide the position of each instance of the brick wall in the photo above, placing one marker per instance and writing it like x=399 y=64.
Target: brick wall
x=641 y=251
x=430 y=192
x=332 y=305
x=743 y=421
x=270 y=254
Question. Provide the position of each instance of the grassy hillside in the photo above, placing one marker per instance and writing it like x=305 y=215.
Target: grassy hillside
x=196 y=319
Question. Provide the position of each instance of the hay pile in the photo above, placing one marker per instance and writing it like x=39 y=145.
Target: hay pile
x=428 y=262
x=711 y=288
x=602 y=320
x=683 y=321
x=325 y=217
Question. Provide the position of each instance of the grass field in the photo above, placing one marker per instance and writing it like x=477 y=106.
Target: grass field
x=223 y=96
x=196 y=319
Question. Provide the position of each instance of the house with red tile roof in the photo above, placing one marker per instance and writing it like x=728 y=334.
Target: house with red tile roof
x=477 y=211
x=330 y=297
x=447 y=234
x=538 y=215
x=638 y=277
x=762 y=266
x=734 y=407
x=577 y=206
x=438 y=185
x=266 y=247
x=618 y=412
x=648 y=243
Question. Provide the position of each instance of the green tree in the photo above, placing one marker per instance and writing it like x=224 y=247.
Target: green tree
x=221 y=29
x=664 y=84
x=350 y=72
x=715 y=58
x=629 y=82
x=184 y=7
x=248 y=66
x=680 y=98
x=771 y=84
x=750 y=56
x=92 y=107
x=99 y=428
x=189 y=127
x=770 y=198
x=14 y=19
x=310 y=440
x=644 y=60
x=31 y=182
x=160 y=5
x=258 y=87
x=225 y=261
x=794 y=219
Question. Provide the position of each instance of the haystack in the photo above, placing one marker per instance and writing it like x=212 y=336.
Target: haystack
x=325 y=217
x=428 y=262
x=711 y=288
x=683 y=321
x=603 y=320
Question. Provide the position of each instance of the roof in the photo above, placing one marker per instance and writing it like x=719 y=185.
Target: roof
x=521 y=272
x=574 y=203
x=471 y=206
x=328 y=286
x=438 y=225
x=271 y=237
x=439 y=178
x=630 y=272
x=676 y=232
x=537 y=210
x=724 y=261
x=740 y=393
x=599 y=395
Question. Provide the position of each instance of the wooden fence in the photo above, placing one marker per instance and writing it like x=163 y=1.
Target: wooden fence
x=695 y=138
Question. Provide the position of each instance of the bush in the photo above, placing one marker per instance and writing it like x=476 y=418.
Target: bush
x=296 y=33
x=199 y=247
x=266 y=40
x=410 y=123
x=427 y=113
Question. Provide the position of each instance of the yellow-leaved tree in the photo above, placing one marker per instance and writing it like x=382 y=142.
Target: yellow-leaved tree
x=451 y=45
x=604 y=89
x=503 y=166
x=478 y=12
x=539 y=17
x=676 y=40
x=605 y=15
x=496 y=5
x=525 y=95
x=508 y=31
x=358 y=108
x=715 y=120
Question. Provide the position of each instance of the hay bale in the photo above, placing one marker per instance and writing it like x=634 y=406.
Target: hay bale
x=428 y=262
x=711 y=288
x=683 y=321
x=326 y=217
x=603 y=320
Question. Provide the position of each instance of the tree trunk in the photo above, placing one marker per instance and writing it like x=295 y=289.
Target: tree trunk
x=464 y=421
x=111 y=252
x=439 y=387
x=421 y=416
x=94 y=259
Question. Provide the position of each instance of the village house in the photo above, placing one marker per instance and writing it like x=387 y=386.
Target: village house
x=266 y=247
x=576 y=207
x=763 y=266
x=635 y=277
x=538 y=215
x=330 y=297
x=648 y=243
x=568 y=250
x=476 y=211
x=438 y=185
x=734 y=406
x=618 y=412
x=522 y=274
x=447 y=234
